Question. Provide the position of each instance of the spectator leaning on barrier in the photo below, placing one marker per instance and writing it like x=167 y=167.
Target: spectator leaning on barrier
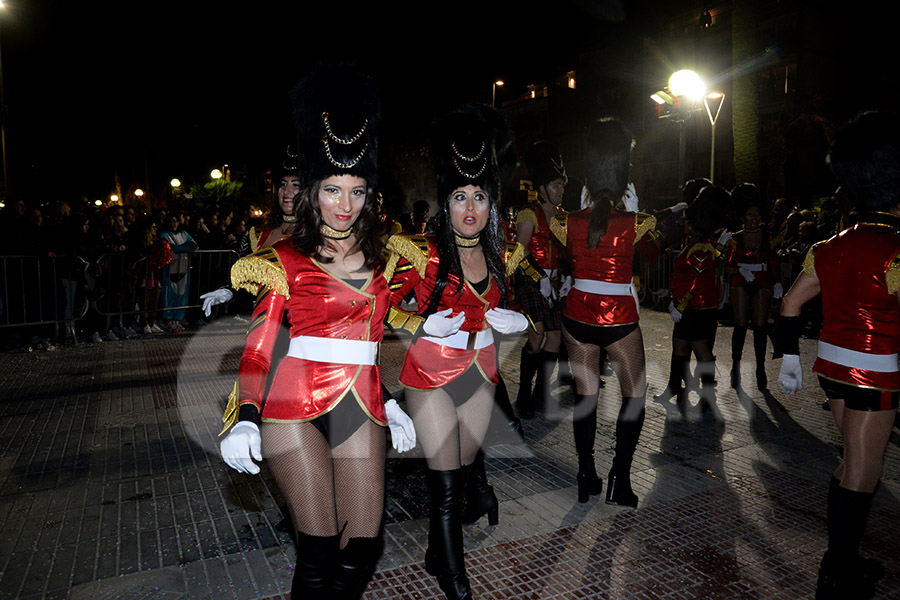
x=175 y=275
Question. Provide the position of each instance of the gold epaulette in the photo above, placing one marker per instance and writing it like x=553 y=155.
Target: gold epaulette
x=809 y=262
x=892 y=275
x=404 y=321
x=413 y=248
x=527 y=214
x=254 y=238
x=643 y=223
x=559 y=227
x=262 y=268
x=515 y=253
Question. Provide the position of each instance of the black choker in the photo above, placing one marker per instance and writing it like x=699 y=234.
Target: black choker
x=333 y=234
x=467 y=242
x=289 y=218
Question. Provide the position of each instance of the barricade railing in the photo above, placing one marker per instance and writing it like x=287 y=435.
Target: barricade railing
x=42 y=291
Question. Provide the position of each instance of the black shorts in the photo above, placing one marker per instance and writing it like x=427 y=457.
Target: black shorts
x=338 y=424
x=599 y=335
x=859 y=398
x=696 y=325
x=462 y=388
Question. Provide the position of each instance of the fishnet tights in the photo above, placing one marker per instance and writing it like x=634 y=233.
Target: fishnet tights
x=329 y=491
x=626 y=356
x=450 y=436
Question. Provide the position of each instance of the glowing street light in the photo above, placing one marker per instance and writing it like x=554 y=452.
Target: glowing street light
x=113 y=198
x=175 y=183
x=498 y=83
x=139 y=192
x=687 y=83
x=215 y=174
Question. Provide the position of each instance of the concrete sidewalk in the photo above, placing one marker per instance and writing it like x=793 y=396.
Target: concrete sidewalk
x=111 y=487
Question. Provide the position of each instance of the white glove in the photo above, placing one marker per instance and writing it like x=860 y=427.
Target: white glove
x=505 y=320
x=242 y=443
x=403 y=433
x=678 y=208
x=790 y=378
x=630 y=199
x=747 y=274
x=566 y=286
x=777 y=291
x=441 y=324
x=210 y=299
x=724 y=238
x=674 y=312
x=546 y=288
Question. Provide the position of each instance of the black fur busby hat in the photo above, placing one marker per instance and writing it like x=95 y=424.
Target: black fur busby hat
x=608 y=146
x=472 y=145
x=544 y=164
x=336 y=111
x=865 y=160
x=708 y=210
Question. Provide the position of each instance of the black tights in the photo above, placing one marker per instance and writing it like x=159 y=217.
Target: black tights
x=329 y=491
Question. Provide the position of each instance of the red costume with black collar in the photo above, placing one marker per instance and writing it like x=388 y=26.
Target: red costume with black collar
x=739 y=254
x=694 y=281
x=412 y=268
x=611 y=261
x=318 y=304
x=859 y=274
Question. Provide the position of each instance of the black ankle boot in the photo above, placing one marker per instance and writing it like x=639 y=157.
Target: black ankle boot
x=445 y=558
x=315 y=558
x=528 y=366
x=480 y=497
x=618 y=489
x=354 y=567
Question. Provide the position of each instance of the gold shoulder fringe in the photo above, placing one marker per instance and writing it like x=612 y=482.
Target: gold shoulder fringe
x=254 y=238
x=527 y=214
x=413 y=248
x=892 y=276
x=559 y=227
x=262 y=268
x=809 y=263
x=515 y=253
x=642 y=224
x=231 y=409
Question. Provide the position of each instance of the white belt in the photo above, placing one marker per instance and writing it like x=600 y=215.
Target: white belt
x=753 y=266
x=465 y=340
x=332 y=350
x=607 y=288
x=882 y=363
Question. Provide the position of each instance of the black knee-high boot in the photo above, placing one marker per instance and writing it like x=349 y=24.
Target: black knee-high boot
x=628 y=430
x=677 y=373
x=528 y=366
x=706 y=372
x=445 y=557
x=354 y=567
x=565 y=370
x=738 y=336
x=543 y=399
x=759 y=350
x=480 y=497
x=843 y=573
x=584 y=425
x=315 y=558
x=513 y=424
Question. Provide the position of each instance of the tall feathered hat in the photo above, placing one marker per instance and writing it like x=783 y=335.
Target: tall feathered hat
x=473 y=145
x=336 y=110
x=544 y=164
x=607 y=158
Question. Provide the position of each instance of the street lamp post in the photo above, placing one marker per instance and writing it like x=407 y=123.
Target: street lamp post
x=5 y=186
x=497 y=83
x=685 y=89
x=719 y=99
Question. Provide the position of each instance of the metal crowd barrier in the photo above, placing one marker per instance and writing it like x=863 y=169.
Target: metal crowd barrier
x=41 y=291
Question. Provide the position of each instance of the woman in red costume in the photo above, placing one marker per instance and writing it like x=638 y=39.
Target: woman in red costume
x=858 y=274
x=755 y=281
x=695 y=298
x=601 y=310
x=322 y=420
x=460 y=278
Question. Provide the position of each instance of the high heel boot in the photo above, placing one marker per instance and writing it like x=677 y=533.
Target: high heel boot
x=584 y=425
x=528 y=366
x=445 y=558
x=354 y=567
x=315 y=558
x=677 y=371
x=843 y=573
x=480 y=497
x=759 y=350
x=513 y=431
x=629 y=424
x=738 y=336
x=706 y=372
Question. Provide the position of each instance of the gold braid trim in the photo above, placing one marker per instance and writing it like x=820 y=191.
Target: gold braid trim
x=262 y=268
x=402 y=320
x=643 y=223
x=254 y=238
x=527 y=215
x=700 y=247
x=515 y=253
x=682 y=304
x=809 y=263
x=231 y=409
x=892 y=275
x=412 y=248
x=559 y=227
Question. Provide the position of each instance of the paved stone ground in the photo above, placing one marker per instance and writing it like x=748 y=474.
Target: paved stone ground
x=111 y=487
